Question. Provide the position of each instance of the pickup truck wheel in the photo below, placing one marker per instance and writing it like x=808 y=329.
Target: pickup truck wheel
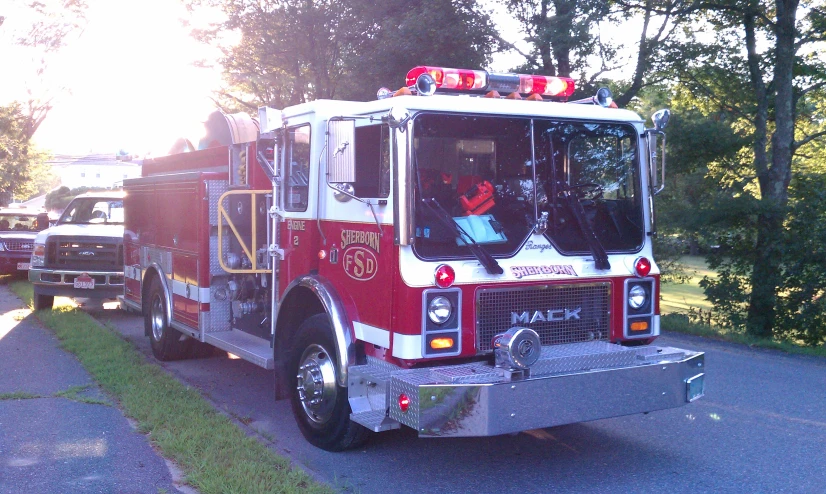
x=43 y=302
x=319 y=404
x=166 y=342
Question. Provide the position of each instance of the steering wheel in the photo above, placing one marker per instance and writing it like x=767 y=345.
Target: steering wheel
x=587 y=190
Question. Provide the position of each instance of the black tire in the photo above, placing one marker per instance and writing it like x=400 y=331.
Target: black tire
x=42 y=302
x=167 y=343
x=319 y=404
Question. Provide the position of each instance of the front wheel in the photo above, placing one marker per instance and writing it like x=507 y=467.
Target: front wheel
x=319 y=404
x=167 y=343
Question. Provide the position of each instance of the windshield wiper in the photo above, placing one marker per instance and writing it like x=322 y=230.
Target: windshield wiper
x=490 y=264
x=597 y=250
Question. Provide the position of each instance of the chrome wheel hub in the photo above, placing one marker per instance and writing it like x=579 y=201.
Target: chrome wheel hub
x=316 y=384
x=156 y=314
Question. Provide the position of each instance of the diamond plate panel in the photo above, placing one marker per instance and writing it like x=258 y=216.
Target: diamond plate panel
x=218 y=317
x=214 y=264
x=216 y=189
x=397 y=387
x=577 y=357
x=547 y=309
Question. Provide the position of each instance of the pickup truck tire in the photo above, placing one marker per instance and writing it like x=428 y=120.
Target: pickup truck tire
x=167 y=343
x=319 y=404
x=42 y=302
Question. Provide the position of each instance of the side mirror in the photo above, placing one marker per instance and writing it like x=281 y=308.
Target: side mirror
x=341 y=152
x=42 y=221
x=660 y=118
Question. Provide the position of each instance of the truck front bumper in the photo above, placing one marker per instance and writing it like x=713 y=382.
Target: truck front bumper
x=570 y=383
x=108 y=284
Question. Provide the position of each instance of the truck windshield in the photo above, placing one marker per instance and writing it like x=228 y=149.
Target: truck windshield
x=482 y=171
x=88 y=210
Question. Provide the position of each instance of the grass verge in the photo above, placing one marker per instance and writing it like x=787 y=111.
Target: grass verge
x=215 y=454
x=678 y=323
x=678 y=299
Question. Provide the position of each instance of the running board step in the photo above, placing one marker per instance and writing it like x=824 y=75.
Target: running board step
x=246 y=346
x=376 y=420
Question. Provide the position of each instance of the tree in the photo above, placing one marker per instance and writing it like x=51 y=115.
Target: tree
x=565 y=39
x=19 y=163
x=292 y=51
x=22 y=168
x=54 y=23
x=769 y=55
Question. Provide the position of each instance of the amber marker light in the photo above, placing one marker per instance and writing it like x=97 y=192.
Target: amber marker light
x=404 y=402
x=639 y=326
x=441 y=343
x=322 y=254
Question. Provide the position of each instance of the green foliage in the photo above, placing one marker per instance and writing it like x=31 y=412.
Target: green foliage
x=57 y=200
x=22 y=168
x=802 y=295
x=292 y=51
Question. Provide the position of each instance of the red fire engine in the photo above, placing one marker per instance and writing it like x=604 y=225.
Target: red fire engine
x=467 y=263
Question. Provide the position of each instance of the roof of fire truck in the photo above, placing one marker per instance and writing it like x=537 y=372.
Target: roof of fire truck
x=470 y=101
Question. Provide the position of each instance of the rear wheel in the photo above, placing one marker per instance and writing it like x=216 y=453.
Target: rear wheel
x=319 y=404
x=167 y=343
x=42 y=302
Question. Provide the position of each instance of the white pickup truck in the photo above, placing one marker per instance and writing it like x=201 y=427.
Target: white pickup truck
x=82 y=255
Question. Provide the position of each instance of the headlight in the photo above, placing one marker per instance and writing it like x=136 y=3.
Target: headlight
x=2 y=246
x=39 y=255
x=637 y=297
x=439 y=310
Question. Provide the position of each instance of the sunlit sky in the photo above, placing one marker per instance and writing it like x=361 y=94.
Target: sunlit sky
x=130 y=78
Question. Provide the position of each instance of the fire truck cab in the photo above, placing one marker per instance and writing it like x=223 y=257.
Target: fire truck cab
x=463 y=264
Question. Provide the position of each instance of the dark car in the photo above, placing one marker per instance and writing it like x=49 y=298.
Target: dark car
x=18 y=227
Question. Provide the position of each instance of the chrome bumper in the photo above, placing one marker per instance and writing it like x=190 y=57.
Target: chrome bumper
x=61 y=282
x=570 y=383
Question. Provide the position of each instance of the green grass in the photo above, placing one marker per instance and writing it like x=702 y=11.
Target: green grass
x=680 y=297
x=215 y=455
x=18 y=395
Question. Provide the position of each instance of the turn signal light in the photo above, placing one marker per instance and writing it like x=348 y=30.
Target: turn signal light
x=639 y=326
x=642 y=266
x=404 y=402
x=445 y=276
x=441 y=343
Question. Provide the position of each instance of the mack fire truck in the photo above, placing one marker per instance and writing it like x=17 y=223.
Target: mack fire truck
x=468 y=256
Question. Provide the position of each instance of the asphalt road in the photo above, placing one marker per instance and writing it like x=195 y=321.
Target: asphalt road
x=760 y=428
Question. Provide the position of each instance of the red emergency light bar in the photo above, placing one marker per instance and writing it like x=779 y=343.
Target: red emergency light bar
x=480 y=81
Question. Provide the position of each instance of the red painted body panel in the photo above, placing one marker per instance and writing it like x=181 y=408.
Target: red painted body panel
x=169 y=213
x=185 y=270
x=365 y=271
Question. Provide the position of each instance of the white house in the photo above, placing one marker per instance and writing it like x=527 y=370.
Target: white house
x=94 y=170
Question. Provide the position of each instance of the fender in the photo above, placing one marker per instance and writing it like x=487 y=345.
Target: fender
x=329 y=299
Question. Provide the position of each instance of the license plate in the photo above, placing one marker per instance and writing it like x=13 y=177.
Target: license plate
x=23 y=266
x=85 y=281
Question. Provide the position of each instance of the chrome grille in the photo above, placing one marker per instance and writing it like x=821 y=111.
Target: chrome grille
x=22 y=245
x=86 y=253
x=494 y=308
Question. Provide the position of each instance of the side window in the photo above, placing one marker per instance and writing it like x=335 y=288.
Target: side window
x=297 y=172
x=372 y=161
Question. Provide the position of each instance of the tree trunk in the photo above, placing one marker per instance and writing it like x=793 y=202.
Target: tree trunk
x=774 y=181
